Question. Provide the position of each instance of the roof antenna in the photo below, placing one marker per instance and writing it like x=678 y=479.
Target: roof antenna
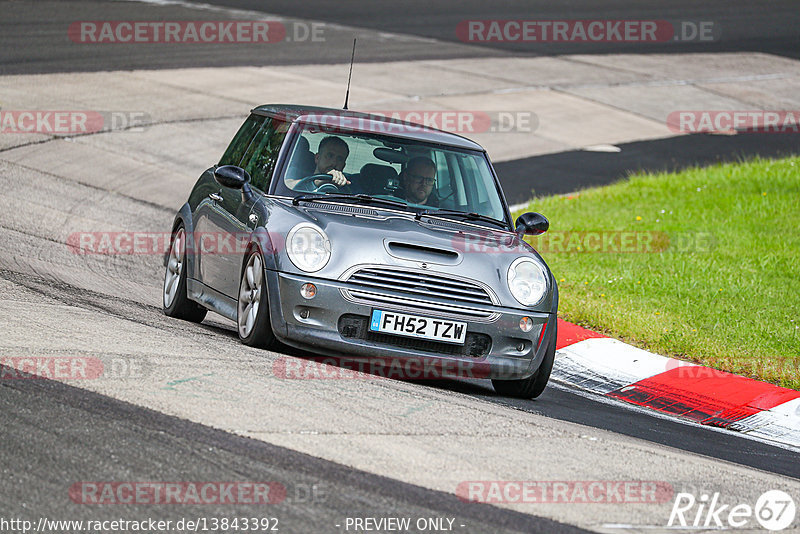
x=352 y=57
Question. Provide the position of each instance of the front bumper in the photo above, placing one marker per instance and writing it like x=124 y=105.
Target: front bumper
x=331 y=324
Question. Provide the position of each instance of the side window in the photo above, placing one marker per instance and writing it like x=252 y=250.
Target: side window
x=457 y=180
x=261 y=156
x=477 y=181
x=233 y=155
x=444 y=182
x=476 y=184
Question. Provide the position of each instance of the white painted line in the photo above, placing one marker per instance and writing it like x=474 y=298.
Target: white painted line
x=517 y=207
x=602 y=148
x=604 y=364
x=781 y=423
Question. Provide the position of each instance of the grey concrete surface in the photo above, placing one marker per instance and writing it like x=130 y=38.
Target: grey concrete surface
x=568 y=111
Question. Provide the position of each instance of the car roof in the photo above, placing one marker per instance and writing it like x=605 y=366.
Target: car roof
x=365 y=122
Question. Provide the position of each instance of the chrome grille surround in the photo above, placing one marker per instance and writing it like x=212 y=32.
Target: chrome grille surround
x=420 y=291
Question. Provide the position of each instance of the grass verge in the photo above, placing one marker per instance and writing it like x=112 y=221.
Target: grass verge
x=702 y=265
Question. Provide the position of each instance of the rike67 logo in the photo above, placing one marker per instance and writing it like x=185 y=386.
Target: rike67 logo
x=774 y=510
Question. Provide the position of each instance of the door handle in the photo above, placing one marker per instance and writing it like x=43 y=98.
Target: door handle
x=215 y=196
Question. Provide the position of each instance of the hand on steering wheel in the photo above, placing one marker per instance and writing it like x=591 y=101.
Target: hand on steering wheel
x=331 y=182
x=338 y=178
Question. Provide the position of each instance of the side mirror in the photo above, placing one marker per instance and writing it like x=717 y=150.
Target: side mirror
x=531 y=224
x=231 y=176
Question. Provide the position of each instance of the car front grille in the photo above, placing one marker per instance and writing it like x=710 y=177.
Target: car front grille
x=355 y=326
x=419 y=290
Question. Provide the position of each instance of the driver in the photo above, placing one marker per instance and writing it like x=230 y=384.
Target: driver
x=329 y=159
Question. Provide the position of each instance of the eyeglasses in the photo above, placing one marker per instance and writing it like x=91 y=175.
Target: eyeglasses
x=421 y=179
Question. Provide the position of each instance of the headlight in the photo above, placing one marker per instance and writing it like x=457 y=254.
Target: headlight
x=527 y=280
x=308 y=247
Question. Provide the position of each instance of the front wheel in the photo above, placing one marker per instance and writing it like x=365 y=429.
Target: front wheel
x=533 y=386
x=252 y=315
x=175 y=302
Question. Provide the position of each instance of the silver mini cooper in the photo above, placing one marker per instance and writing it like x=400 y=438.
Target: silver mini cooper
x=359 y=236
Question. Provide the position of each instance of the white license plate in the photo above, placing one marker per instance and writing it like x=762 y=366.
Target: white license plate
x=402 y=324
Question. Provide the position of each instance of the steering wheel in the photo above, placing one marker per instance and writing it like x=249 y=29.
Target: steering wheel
x=328 y=187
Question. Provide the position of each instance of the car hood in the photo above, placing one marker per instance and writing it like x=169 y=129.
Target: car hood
x=364 y=235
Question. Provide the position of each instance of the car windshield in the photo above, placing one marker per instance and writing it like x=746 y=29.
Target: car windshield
x=424 y=176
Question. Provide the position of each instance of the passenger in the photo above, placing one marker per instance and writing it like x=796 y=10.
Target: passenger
x=417 y=181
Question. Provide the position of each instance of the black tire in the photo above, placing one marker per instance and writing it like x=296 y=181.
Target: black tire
x=260 y=333
x=533 y=386
x=179 y=306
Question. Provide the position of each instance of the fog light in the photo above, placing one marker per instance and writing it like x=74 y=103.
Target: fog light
x=521 y=347
x=308 y=291
x=526 y=324
x=304 y=314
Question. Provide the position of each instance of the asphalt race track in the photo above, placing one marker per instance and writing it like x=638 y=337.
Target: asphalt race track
x=67 y=426
x=744 y=26
x=185 y=403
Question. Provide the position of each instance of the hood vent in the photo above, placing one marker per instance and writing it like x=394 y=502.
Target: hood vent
x=342 y=208
x=414 y=252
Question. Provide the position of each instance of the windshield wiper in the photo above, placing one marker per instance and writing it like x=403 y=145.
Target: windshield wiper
x=461 y=215
x=355 y=199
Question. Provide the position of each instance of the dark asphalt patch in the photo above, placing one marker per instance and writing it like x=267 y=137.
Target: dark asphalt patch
x=566 y=172
x=740 y=24
x=33 y=44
